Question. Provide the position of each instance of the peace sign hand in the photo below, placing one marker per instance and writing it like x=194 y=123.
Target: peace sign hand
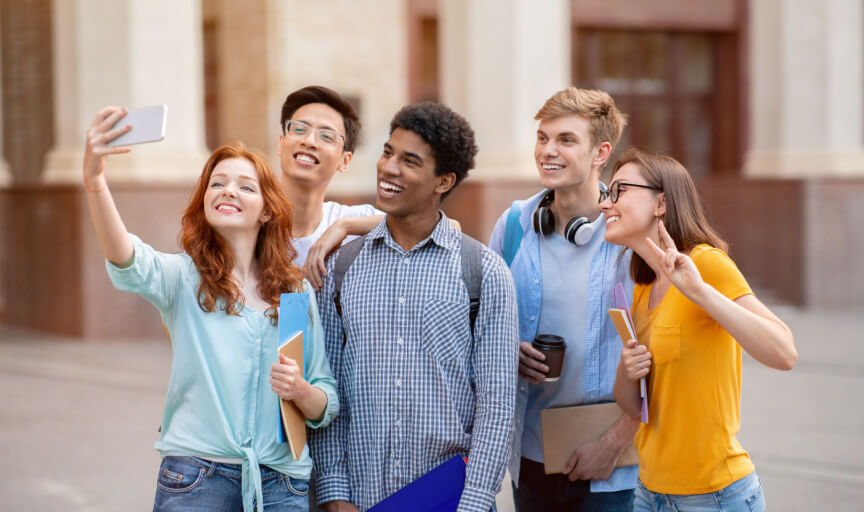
x=676 y=266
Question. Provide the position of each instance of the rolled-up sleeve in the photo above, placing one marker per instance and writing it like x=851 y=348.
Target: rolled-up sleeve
x=495 y=362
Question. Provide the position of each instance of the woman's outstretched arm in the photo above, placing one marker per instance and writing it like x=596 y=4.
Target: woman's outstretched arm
x=110 y=230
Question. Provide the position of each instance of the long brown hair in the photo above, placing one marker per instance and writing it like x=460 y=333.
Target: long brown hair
x=684 y=218
x=212 y=256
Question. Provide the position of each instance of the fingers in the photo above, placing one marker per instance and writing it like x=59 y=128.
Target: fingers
x=111 y=118
x=667 y=238
x=312 y=274
x=654 y=247
x=571 y=462
x=532 y=376
x=530 y=351
x=531 y=362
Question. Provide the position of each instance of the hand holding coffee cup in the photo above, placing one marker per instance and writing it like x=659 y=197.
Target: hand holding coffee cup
x=531 y=365
x=552 y=347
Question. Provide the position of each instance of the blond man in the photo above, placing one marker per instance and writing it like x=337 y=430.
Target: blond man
x=564 y=274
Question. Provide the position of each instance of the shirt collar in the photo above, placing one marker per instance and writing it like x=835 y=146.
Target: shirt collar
x=444 y=235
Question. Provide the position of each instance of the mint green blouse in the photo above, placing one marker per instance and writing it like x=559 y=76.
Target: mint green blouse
x=219 y=402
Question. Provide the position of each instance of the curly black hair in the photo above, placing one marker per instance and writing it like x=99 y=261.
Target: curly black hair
x=329 y=97
x=448 y=134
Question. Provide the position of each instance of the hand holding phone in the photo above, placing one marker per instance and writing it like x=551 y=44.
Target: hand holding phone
x=148 y=125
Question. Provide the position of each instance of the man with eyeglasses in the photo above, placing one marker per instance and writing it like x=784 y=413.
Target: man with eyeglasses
x=564 y=274
x=318 y=137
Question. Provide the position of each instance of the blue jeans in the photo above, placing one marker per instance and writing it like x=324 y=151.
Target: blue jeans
x=744 y=495
x=198 y=485
x=539 y=492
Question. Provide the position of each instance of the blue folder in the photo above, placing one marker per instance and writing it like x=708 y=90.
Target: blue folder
x=437 y=491
x=293 y=317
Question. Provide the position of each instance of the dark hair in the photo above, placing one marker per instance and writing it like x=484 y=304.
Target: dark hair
x=329 y=97
x=684 y=218
x=447 y=133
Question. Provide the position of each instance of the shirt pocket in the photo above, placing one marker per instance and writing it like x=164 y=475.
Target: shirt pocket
x=665 y=345
x=445 y=332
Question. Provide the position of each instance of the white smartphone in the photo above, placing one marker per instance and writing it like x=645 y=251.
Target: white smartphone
x=148 y=125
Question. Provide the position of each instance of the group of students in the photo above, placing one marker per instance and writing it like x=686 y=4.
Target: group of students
x=406 y=365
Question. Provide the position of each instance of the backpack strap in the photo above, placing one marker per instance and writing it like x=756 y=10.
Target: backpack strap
x=347 y=254
x=512 y=233
x=472 y=274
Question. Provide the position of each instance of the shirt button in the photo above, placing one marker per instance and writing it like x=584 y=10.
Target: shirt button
x=536 y=281
x=401 y=300
x=399 y=422
x=522 y=387
x=397 y=382
x=533 y=317
x=405 y=261
x=258 y=340
x=400 y=341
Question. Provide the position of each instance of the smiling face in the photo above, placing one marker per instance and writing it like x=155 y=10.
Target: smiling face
x=233 y=200
x=304 y=161
x=407 y=183
x=634 y=216
x=564 y=151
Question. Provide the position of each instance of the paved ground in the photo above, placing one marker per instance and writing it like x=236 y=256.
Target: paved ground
x=78 y=420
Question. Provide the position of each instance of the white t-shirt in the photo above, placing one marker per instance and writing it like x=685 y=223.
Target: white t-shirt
x=331 y=213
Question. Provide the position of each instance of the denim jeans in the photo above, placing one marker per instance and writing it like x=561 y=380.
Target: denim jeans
x=198 y=485
x=744 y=495
x=539 y=492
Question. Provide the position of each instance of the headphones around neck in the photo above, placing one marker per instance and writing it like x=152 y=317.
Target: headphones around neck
x=578 y=230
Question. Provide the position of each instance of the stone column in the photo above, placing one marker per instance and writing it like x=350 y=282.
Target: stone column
x=501 y=59
x=5 y=175
x=134 y=53
x=806 y=82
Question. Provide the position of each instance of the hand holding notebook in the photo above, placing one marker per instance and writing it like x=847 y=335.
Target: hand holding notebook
x=627 y=331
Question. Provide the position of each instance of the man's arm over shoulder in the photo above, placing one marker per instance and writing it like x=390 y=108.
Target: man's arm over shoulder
x=495 y=360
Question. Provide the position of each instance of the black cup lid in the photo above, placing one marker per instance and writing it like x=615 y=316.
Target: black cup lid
x=549 y=342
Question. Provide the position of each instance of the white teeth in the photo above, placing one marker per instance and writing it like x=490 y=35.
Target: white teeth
x=612 y=219
x=307 y=159
x=227 y=208
x=389 y=187
x=552 y=167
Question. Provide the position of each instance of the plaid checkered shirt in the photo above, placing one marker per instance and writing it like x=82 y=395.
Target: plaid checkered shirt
x=416 y=388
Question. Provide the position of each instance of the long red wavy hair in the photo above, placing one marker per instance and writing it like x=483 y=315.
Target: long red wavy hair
x=213 y=257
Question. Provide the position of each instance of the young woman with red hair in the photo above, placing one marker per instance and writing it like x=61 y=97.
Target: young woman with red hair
x=219 y=300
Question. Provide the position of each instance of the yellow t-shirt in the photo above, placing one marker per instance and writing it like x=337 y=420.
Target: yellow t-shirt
x=694 y=388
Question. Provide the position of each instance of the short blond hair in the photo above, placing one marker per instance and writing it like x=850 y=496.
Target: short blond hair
x=607 y=122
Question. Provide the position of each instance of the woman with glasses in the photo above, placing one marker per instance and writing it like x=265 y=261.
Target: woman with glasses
x=693 y=313
x=219 y=300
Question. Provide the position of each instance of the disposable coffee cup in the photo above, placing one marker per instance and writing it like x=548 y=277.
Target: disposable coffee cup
x=553 y=348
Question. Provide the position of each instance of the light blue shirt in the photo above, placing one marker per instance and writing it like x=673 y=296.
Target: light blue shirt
x=602 y=347
x=417 y=387
x=219 y=402
x=562 y=288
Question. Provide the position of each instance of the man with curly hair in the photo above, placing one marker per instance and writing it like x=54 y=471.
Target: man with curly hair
x=419 y=382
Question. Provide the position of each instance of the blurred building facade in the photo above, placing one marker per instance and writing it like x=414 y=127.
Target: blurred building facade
x=762 y=100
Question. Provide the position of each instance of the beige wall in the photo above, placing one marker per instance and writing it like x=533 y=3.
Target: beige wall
x=355 y=47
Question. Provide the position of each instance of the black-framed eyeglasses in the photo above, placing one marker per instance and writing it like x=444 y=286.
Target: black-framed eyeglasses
x=615 y=190
x=325 y=137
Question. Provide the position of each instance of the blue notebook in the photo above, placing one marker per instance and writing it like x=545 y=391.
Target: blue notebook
x=293 y=318
x=437 y=491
